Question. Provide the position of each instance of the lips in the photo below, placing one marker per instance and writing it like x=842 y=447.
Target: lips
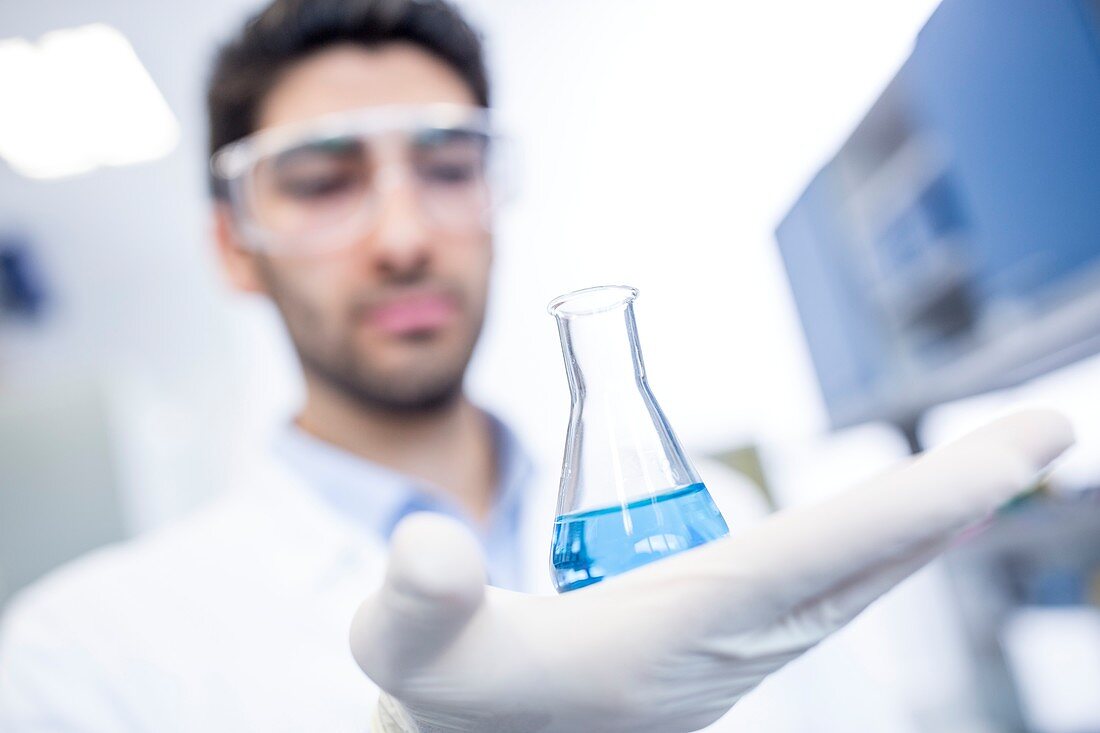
x=412 y=314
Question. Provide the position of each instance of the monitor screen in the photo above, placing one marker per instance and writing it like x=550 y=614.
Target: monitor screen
x=952 y=245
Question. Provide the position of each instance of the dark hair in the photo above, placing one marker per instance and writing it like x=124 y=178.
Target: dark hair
x=286 y=31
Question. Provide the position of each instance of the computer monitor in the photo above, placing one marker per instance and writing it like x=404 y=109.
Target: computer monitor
x=952 y=245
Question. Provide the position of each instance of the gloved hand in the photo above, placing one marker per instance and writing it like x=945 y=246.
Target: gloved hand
x=673 y=645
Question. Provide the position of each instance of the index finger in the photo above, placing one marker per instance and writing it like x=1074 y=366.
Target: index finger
x=800 y=555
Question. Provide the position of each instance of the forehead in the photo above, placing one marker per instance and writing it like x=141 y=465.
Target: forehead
x=350 y=77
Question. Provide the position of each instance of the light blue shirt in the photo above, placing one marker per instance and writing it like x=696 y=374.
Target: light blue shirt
x=377 y=498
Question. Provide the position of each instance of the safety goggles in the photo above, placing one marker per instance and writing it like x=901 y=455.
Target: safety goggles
x=319 y=186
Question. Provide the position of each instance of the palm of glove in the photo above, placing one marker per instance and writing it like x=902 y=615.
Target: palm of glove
x=673 y=645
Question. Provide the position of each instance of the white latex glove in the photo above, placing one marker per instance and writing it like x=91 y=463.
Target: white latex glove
x=673 y=645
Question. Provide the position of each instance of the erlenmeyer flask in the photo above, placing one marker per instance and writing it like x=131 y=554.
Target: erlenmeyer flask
x=628 y=493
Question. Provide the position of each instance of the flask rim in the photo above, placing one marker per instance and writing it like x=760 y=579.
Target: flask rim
x=589 y=301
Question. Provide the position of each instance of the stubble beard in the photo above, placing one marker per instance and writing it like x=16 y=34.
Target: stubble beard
x=330 y=356
x=357 y=380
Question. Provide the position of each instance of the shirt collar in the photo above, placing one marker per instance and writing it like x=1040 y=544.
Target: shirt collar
x=377 y=497
x=514 y=472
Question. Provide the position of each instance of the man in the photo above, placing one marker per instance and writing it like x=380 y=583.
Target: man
x=353 y=161
x=225 y=621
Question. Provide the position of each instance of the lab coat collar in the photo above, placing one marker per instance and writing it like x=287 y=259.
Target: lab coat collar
x=310 y=543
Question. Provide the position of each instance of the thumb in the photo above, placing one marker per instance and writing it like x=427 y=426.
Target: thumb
x=434 y=583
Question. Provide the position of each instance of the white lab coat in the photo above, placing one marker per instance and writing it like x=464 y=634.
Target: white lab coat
x=236 y=619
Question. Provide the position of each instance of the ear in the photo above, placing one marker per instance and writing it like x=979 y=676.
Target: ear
x=238 y=260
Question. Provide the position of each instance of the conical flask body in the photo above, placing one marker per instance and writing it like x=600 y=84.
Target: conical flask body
x=628 y=493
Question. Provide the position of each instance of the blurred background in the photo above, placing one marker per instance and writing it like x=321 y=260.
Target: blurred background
x=859 y=228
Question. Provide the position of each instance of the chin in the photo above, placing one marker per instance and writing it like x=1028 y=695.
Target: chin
x=423 y=397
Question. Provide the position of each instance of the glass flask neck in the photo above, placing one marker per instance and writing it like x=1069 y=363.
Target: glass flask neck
x=602 y=353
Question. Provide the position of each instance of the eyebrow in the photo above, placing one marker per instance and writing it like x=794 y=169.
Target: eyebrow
x=335 y=145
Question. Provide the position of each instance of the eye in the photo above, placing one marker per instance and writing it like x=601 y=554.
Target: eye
x=318 y=186
x=450 y=157
x=318 y=170
x=448 y=172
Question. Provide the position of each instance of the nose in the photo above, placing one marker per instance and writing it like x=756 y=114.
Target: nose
x=401 y=243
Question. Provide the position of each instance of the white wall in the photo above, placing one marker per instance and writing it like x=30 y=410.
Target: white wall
x=662 y=143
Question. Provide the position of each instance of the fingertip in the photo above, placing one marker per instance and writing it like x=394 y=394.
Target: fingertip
x=437 y=557
x=1038 y=435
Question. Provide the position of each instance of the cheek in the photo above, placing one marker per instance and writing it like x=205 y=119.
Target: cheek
x=313 y=292
x=471 y=259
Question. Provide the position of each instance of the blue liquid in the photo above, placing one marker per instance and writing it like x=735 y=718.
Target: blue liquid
x=592 y=545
